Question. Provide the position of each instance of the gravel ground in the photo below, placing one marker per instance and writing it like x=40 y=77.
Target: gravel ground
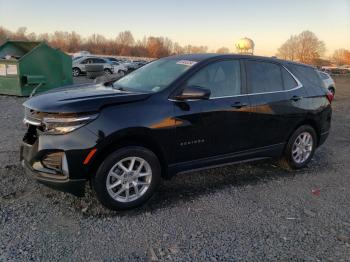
x=250 y=212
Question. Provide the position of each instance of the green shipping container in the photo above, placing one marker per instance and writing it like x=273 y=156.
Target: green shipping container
x=25 y=66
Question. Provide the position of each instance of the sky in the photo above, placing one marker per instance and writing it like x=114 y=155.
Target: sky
x=213 y=23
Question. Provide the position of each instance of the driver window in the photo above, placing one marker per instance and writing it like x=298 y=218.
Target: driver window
x=221 y=78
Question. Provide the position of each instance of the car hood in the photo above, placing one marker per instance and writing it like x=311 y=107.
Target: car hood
x=81 y=98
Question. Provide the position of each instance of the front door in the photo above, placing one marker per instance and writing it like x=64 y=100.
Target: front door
x=219 y=125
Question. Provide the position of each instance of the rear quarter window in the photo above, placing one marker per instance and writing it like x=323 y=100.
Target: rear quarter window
x=288 y=80
x=309 y=78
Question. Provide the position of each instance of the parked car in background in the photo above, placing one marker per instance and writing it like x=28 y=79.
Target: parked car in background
x=328 y=81
x=336 y=70
x=174 y=115
x=78 y=66
x=139 y=64
x=112 y=59
x=117 y=63
x=133 y=65
x=76 y=57
x=120 y=68
x=128 y=64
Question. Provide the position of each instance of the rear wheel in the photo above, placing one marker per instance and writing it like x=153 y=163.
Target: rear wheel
x=76 y=72
x=107 y=71
x=300 y=148
x=127 y=178
x=121 y=72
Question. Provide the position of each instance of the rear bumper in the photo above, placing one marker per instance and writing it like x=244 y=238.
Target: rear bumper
x=73 y=186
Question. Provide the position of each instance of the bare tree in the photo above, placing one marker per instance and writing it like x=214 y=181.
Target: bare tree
x=347 y=57
x=305 y=48
x=125 y=39
x=4 y=34
x=123 y=44
x=223 y=50
x=21 y=34
x=156 y=47
x=339 y=56
x=195 y=49
x=289 y=49
x=178 y=49
x=309 y=47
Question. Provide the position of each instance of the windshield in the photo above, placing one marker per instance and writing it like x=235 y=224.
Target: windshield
x=155 y=76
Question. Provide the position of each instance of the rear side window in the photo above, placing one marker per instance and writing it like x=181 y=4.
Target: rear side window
x=288 y=81
x=263 y=77
x=99 y=61
x=307 y=75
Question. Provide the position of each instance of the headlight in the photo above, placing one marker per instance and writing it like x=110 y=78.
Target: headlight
x=64 y=124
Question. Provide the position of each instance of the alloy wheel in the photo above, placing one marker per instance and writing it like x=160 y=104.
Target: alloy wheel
x=129 y=179
x=75 y=72
x=302 y=147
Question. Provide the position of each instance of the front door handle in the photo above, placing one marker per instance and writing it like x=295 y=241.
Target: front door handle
x=296 y=98
x=239 y=105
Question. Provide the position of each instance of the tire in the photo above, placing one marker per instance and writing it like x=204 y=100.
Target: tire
x=76 y=71
x=112 y=173
x=122 y=72
x=107 y=71
x=294 y=157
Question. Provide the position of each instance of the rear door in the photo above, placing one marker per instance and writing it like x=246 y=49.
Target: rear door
x=269 y=101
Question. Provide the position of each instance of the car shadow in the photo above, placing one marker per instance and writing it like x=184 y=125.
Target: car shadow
x=190 y=186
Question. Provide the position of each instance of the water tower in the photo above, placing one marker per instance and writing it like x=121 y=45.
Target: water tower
x=245 y=46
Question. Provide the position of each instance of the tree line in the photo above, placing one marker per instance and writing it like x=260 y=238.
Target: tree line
x=304 y=47
x=122 y=45
x=307 y=48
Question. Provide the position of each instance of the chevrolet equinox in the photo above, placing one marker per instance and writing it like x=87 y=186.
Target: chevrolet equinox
x=173 y=115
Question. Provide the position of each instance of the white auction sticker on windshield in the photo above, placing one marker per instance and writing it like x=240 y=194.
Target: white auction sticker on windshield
x=186 y=62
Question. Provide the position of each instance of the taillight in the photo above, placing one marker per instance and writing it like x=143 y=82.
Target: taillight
x=330 y=97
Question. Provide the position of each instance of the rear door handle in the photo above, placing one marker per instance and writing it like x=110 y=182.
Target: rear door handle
x=239 y=105
x=296 y=98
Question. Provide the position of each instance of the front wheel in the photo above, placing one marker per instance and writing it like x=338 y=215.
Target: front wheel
x=127 y=178
x=121 y=72
x=300 y=148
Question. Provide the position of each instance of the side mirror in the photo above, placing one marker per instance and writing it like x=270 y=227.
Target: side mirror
x=193 y=93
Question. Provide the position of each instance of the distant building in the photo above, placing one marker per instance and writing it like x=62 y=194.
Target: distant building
x=245 y=46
